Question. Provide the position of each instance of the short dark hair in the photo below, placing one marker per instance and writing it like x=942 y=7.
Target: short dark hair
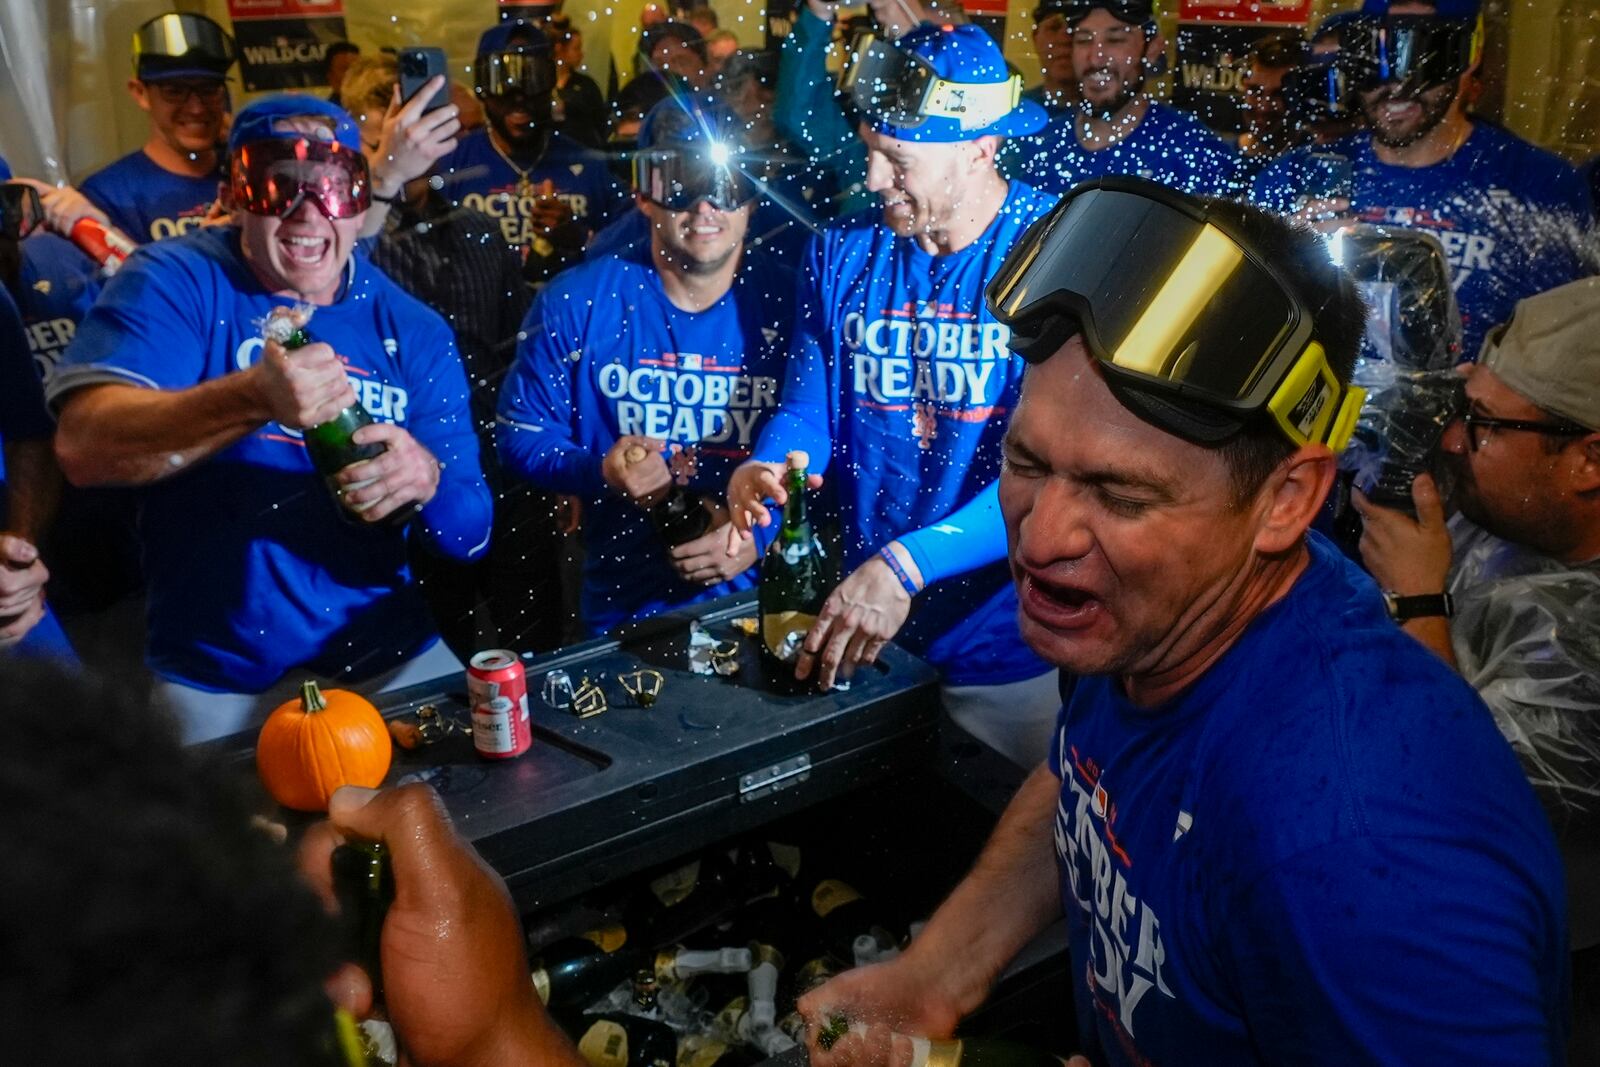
x=1338 y=316
x=337 y=49
x=145 y=921
x=1281 y=48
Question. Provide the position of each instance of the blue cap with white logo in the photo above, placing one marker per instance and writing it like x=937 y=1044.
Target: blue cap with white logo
x=265 y=120
x=942 y=83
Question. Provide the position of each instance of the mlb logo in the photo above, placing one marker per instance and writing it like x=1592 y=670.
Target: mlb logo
x=690 y=361
x=1100 y=800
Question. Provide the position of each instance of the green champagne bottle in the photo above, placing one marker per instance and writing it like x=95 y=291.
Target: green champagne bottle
x=363 y=881
x=794 y=583
x=331 y=445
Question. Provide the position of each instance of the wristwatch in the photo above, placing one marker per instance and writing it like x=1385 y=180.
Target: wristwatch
x=1406 y=608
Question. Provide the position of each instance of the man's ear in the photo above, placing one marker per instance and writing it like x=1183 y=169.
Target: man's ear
x=140 y=93
x=1586 y=468
x=1155 y=54
x=1292 y=496
x=984 y=150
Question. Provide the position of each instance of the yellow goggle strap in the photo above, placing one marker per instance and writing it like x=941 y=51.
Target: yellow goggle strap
x=1308 y=405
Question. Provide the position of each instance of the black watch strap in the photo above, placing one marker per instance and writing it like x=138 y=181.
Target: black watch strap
x=390 y=200
x=1406 y=608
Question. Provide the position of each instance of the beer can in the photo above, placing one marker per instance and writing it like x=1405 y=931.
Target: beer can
x=498 y=690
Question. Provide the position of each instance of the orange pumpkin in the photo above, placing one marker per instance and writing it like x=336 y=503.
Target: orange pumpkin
x=311 y=746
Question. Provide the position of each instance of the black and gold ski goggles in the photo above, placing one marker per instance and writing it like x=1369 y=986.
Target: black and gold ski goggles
x=1193 y=329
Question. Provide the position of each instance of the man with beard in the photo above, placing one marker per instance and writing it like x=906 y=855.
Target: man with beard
x=899 y=384
x=1117 y=128
x=1513 y=218
x=1279 y=831
x=168 y=186
x=1508 y=591
x=259 y=576
x=548 y=193
x=1057 y=91
x=653 y=369
x=1269 y=130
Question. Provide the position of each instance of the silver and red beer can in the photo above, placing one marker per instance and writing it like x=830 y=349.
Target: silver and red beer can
x=498 y=689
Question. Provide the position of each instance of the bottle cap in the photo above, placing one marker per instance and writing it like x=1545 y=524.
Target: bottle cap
x=798 y=461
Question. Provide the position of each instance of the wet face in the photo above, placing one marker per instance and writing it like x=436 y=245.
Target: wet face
x=1121 y=536
x=1505 y=484
x=701 y=240
x=186 y=113
x=920 y=184
x=304 y=253
x=1109 y=56
x=1052 y=39
x=1401 y=115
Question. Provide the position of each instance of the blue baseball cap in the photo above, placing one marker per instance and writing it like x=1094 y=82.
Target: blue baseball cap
x=1444 y=9
x=962 y=58
x=513 y=35
x=258 y=120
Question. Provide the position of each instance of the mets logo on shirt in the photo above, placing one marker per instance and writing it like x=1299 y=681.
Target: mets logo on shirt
x=384 y=402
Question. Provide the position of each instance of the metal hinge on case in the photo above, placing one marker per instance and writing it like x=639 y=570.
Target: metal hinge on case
x=753 y=785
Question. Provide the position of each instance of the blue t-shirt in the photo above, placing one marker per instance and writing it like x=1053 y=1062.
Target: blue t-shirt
x=58 y=286
x=1512 y=218
x=1323 y=852
x=148 y=202
x=477 y=175
x=899 y=373
x=1168 y=146
x=23 y=418
x=603 y=354
x=251 y=570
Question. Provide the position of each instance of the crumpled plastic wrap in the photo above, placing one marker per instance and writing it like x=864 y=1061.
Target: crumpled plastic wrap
x=1527 y=636
x=1408 y=356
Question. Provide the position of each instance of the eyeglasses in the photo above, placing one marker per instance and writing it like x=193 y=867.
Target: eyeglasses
x=177 y=93
x=272 y=177
x=1473 y=420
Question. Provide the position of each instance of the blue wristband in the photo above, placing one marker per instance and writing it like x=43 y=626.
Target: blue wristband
x=887 y=555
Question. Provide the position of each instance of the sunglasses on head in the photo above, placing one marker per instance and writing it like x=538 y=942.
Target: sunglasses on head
x=21 y=211
x=274 y=177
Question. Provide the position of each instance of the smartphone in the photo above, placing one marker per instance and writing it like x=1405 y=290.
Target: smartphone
x=417 y=65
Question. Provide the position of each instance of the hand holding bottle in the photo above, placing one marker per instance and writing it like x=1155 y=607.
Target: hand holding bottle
x=860 y=616
x=405 y=474
x=64 y=207
x=304 y=387
x=902 y=995
x=635 y=468
x=752 y=485
x=455 y=974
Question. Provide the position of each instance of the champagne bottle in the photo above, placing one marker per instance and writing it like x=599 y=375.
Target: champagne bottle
x=793 y=582
x=853 y=929
x=363 y=881
x=617 y=1040
x=681 y=517
x=978 y=1052
x=575 y=972
x=331 y=445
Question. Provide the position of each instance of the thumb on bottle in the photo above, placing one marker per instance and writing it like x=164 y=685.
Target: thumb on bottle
x=1425 y=495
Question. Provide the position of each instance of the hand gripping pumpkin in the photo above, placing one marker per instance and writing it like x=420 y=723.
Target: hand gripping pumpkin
x=311 y=746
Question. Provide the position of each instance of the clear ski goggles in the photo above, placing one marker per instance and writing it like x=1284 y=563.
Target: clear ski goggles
x=1173 y=306
x=181 y=42
x=273 y=177
x=1419 y=51
x=21 y=211
x=678 y=180
x=902 y=89
x=527 y=74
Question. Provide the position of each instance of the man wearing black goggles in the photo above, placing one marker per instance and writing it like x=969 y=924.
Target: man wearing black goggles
x=167 y=187
x=668 y=370
x=1513 y=218
x=1233 y=690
